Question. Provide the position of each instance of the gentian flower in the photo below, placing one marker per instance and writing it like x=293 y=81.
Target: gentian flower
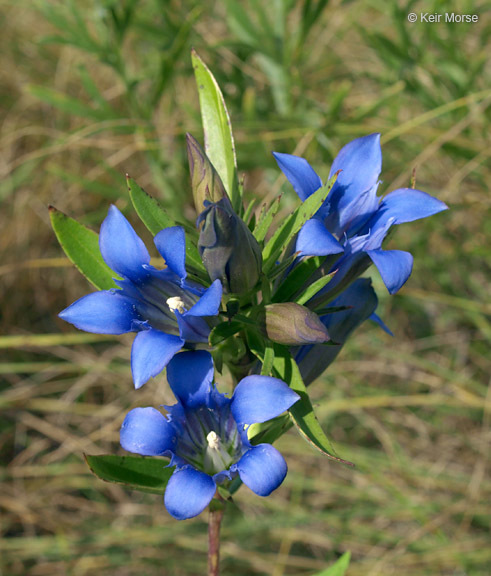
x=205 y=434
x=165 y=310
x=353 y=221
x=359 y=302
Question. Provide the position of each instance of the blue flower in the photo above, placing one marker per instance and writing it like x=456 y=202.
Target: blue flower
x=359 y=302
x=205 y=434
x=353 y=221
x=163 y=308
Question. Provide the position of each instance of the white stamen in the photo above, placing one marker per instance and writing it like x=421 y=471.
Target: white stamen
x=213 y=440
x=176 y=303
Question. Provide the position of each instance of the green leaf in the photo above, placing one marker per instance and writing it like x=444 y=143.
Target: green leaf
x=224 y=331
x=268 y=432
x=302 y=412
x=219 y=142
x=156 y=219
x=148 y=209
x=81 y=245
x=337 y=569
x=266 y=219
x=315 y=287
x=297 y=278
x=268 y=362
x=135 y=472
x=293 y=223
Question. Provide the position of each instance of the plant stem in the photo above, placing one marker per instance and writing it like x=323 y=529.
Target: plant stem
x=214 y=522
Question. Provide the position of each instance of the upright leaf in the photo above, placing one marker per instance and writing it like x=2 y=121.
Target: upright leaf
x=81 y=245
x=156 y=219
x=219 y=142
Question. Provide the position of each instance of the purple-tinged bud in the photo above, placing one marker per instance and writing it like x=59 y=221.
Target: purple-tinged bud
x=205 y=181
x=292 y=324
x=227 y=247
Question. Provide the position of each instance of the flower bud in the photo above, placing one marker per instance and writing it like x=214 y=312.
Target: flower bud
x=205 y=181
x=292 y=324
x=228 y=249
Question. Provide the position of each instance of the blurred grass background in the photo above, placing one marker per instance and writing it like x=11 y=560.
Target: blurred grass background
x=97 y=88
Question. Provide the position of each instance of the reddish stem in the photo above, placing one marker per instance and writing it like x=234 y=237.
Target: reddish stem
x=214 y=522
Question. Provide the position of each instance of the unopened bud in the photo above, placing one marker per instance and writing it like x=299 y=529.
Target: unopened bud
x=292 y=324
x=228 y=249
x=205 y=181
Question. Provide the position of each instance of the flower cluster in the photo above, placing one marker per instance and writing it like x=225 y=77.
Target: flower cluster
x=282 y=307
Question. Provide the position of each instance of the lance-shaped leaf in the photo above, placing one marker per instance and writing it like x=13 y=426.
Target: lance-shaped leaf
x=302 y=412
x=156 y=219
x=339 y=568
x=223 y=331
x=219 y=142
x=81 y=245
x=266 y=219
x=296 y=278
x=135 y=472
x=292 y=224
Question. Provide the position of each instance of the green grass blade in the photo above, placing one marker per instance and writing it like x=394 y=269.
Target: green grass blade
x=81 y=245
x=67 y=104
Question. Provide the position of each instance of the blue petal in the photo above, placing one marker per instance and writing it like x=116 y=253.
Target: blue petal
x=315 y=240
x=121 y=247
x=171 y=243
x=407 y=205
x=349 y=217
x=150 y=354
x=209 y=303
x=188 y=493
x=376 y=318
x=190 y=375
x=260 y=398
x=145 y=431
x=192 y=329
x=361 y=163
x=262 y=469
x=105 y=312
x=353 y=196
x=395 y=267
x=300 y=174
